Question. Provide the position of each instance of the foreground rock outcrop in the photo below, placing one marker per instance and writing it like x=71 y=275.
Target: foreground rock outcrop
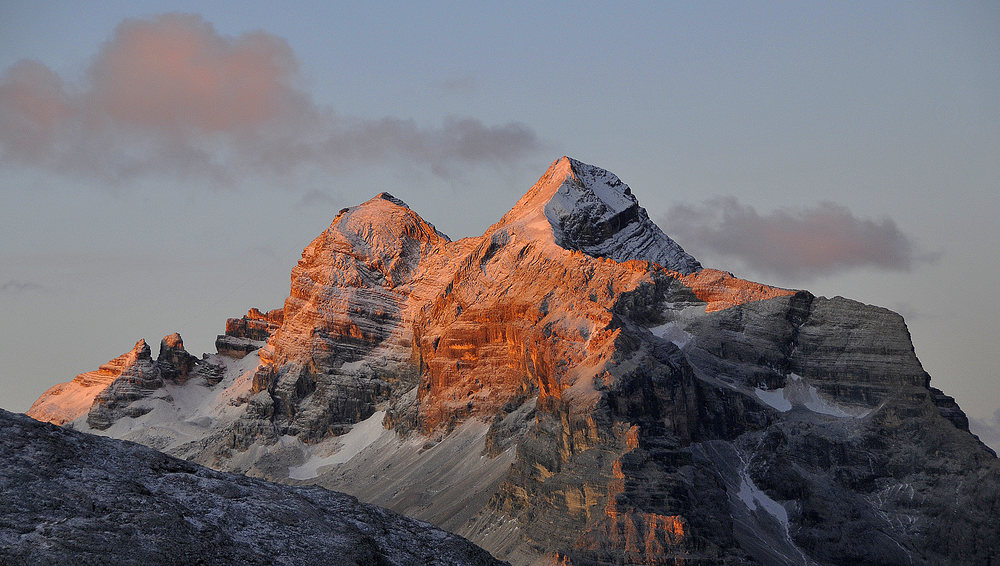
x=73 y=498
x=571 y=386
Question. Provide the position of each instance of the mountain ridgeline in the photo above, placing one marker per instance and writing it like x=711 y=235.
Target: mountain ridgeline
x=571 y=387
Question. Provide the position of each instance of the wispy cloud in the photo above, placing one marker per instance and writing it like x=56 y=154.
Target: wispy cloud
x=806 y=242
x=316 y=198
x=171 y=96
x=13 y=286
x=464 y=85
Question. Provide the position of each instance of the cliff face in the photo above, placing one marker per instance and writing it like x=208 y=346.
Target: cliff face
x=125 y=386
x=249 y=332
x=572 y=386
x=352 y=300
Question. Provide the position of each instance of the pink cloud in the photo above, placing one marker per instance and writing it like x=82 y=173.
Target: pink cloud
x=802 y=243
x=175 y=71
x=33 y=106
x=172 y=96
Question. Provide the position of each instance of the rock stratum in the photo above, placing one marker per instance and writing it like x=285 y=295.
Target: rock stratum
x=572 y=387
x=73 y=498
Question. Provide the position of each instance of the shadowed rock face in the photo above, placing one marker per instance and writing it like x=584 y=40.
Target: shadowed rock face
x=112 y=391
x=594 y=212
x=248 y=333
x=571 y=386
x=72 y=498
x=139 y=378
x=174 y=362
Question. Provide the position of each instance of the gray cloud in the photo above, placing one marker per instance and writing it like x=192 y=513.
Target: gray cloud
x=169 y=96
x=316 y=198
x=463 y=85
x=15 y=286
x=988 y=430
x=798 y=243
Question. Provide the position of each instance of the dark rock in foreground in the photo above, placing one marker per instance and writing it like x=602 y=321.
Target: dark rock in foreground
x=73 y=498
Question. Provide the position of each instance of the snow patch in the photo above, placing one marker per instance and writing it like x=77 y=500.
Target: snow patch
x=350 y=444
x=754 y=499
x=799 y=393
x=775 y=398
x=677 y=319
x=672 y=332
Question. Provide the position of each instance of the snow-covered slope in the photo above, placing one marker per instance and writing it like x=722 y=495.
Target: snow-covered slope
x=591 y=210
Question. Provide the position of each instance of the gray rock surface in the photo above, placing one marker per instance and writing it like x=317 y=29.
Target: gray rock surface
x=141 y=377
x=72 y=498
x=596 y=213
x=174 y=362
x=248 y=333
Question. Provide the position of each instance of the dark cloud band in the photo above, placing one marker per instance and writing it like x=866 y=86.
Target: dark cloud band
x=796 y=243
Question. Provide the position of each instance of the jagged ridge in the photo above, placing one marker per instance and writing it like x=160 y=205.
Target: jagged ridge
x=554 y=390
x=595 y=212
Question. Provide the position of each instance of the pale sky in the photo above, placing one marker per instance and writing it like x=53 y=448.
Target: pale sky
x=162 y=165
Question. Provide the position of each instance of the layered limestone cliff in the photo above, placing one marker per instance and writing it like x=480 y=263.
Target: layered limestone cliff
x=249 y=332
x=571 y=386
x=125 y=386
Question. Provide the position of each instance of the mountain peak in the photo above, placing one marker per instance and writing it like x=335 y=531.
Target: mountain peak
x=386 y=196
x=384 y=217
x=589 y=209
x=484 y=381
x=141 y=351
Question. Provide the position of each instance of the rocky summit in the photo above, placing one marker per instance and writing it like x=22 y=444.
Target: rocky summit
x=572 y=387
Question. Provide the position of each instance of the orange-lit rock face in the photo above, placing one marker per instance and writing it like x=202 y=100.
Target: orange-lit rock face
x=519 y=319
x=525 y=316
x=352 y=294
x=721 y=290
x=68 y=401
x=514 y=313
x=642 y=538
x=349 y=287
x=244 y=335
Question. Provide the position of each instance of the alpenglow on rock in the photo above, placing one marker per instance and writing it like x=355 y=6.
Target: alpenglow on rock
x=572 y=386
